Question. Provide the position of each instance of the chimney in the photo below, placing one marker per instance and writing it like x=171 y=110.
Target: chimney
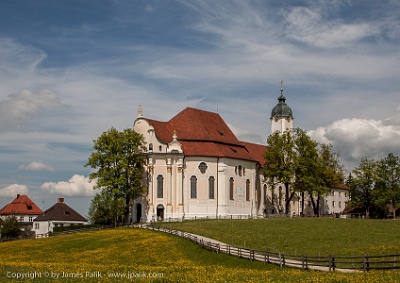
x=60 y=200
x=17 y=195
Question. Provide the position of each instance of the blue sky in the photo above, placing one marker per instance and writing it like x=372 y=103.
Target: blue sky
x=70 y=70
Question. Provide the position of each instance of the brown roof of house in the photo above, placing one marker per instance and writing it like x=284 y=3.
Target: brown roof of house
x=21 y=205
x=60 y=212
x=204 y=133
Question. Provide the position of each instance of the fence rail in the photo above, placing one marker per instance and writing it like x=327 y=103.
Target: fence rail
x=50 y=234
x=325 y=263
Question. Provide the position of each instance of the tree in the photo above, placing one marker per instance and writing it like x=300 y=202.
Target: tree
x=361 y=184
x=105 y=209
x=304 y=166
x=329 y=174
x=306 y=173
x=118 y=159
x=280 y=163
x=388 y=182
x=10 y=228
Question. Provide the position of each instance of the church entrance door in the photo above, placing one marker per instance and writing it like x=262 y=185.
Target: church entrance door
x=138 y=212
x=160 y=212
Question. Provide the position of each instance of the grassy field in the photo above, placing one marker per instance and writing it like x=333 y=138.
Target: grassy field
x=135 y=255
x=308 y=236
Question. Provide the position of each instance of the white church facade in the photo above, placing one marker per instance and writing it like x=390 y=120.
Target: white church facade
x=196 y=167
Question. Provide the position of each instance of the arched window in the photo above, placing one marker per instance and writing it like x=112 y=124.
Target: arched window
x=160 y=148
x=193 y=187
x=150 y=147
x=203 y=167
x=160 y=186
x=247 y=190
x=211 y=185
x=231 y=185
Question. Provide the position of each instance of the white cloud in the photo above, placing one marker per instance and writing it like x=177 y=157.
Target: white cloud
x=12 y=191
x=308 y=26
x=77 y=186
x=16 y=57
x=36 y=166
x=357 y=138
x=19 y=107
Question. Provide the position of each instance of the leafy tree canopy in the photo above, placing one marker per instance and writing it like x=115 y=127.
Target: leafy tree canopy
x=292 y=158
x=118 y=160
x=10 y=228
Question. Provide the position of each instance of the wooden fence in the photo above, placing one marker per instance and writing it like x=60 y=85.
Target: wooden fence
x=324 y=263
x=49 y=234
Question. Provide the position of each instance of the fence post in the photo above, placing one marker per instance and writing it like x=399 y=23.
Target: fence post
x=365 y=263
x=229 y=249
x=332 y=262
x=306 y=262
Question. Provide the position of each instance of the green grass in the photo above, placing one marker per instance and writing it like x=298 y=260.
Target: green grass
x=308 y=236
x=139 y=253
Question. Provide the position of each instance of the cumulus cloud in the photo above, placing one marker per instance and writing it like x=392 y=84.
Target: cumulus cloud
x=36 y=166
x=357 y=138
x=21 y=106
x=12 y=190
x=77 y=186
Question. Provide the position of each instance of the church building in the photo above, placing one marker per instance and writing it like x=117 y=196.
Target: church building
x=196 y=168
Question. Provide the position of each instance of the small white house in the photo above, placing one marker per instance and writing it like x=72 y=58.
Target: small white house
x=58 y=215
x=24 y=209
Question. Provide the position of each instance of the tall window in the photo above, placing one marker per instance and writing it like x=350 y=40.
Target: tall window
x=211 y=185
x=160 y=186
x=231 y=185
x=247 y=190
x=193 y=187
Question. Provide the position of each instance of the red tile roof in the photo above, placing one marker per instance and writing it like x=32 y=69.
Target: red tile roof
x=60 y=212
x=21 y=205
x=204 y=133
x=256 y=150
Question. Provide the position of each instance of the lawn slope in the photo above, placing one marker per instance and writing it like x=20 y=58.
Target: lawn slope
x=307 y=236
x=136 y=255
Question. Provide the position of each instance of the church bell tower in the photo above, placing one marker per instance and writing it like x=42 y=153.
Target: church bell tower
x=281 y=115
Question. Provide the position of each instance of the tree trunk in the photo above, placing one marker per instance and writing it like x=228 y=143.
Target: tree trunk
x=288 y=199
